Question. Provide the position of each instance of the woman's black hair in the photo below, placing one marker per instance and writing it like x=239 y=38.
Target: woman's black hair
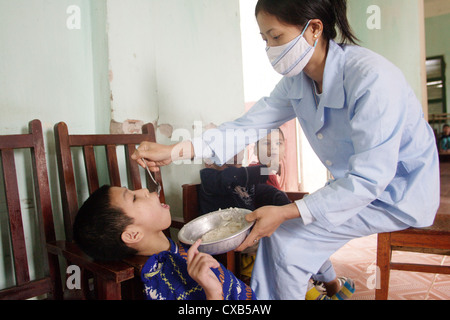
x=98 y=228
x=332 y=13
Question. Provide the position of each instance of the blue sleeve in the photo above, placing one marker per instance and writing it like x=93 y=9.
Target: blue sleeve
x=230 y=138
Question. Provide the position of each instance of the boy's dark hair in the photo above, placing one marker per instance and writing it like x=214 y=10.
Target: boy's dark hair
x=332 y=13
x=98 y=228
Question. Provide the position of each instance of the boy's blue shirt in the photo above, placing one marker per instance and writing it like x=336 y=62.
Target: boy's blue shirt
x=165 y=277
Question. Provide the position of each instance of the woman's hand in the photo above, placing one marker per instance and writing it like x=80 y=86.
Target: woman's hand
x=158 y=155
x=199 y=268
x=268 y=219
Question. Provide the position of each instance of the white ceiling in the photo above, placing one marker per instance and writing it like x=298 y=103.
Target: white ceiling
x=436 y=8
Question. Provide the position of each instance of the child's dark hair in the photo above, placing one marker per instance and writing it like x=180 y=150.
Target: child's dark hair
x=332 y=13
x=98 y=228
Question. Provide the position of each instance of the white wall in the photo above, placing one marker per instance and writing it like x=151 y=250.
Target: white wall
x=259 y=76
x=45 y=68
x=132 y=55
x=172 y=62
x=175 y=62
x=47 y=72
x=400 y=36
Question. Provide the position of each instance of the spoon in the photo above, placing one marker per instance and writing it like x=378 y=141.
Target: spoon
x=158 y=186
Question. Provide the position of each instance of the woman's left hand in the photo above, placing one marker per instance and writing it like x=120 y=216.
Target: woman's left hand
x=268 y=219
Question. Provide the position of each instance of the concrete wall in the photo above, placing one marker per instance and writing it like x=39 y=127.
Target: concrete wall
x=438 y=43
x=172 y=62
x=394 y=29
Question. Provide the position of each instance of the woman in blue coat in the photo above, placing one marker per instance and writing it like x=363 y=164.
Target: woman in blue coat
x=363 y=121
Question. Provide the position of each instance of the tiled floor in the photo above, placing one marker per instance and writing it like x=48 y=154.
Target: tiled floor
x=357 y=260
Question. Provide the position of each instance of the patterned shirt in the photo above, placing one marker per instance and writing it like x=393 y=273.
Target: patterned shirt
x=165 y=277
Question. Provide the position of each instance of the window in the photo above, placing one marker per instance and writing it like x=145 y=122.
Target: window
x=437 y=100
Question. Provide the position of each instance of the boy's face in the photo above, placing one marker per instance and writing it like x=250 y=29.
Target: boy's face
x=144 y=207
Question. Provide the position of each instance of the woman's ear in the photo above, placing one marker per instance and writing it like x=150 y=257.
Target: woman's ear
x=317 y=26
x=316 y=29
x=132 y=236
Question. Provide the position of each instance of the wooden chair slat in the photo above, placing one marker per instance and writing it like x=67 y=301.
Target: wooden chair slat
x=113 y=165
x=15 y=217
x=50 y=282
x=91 y=168
x=16 y=141
x=133 y=168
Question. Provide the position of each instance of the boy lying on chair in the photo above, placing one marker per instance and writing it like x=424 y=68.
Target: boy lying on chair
x=115 y=223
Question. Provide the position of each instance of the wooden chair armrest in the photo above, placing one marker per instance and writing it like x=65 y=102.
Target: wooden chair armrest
x=177 y=223
x=444 y=157
x=137 y=262
x=294 y=196
x=117 y=271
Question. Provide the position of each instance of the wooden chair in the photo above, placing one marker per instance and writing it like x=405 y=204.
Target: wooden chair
x=113 y=280
x=435 y=240
x=50 y=282
x=191 y=210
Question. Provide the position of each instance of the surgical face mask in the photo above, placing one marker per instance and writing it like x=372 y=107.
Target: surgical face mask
x=290 y=59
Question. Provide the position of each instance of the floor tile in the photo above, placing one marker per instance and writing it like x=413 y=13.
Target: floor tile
x=357 y=260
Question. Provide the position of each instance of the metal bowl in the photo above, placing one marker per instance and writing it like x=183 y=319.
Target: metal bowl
x=197 y=228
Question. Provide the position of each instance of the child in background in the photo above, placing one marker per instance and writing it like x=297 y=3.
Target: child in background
x=233 y=185
x=444 y=141
x=271 y=151
x=116 y=222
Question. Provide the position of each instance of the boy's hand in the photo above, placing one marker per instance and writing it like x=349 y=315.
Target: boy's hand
x=199 y=268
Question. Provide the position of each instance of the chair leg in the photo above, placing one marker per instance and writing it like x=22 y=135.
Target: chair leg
x=55 y=275
x=384 y=254
x=108 y=290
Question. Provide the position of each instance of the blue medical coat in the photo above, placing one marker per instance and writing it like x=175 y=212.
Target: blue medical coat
x=369 y=131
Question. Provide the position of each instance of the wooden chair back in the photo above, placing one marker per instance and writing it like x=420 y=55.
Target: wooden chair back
x=66 y=144
x=113 y=281
x=50 y=282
